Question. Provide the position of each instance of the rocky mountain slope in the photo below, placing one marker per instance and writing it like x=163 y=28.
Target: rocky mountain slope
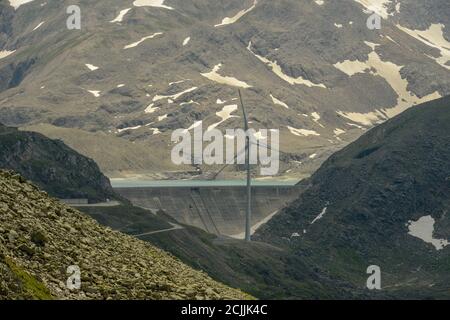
x=137 y=70
x=53 y=166
x=40 y=238
x=383 y=200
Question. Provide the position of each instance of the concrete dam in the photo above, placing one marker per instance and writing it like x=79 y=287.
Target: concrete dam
x=217 y=207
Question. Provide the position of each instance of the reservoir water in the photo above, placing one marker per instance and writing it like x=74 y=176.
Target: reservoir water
x=129 y=183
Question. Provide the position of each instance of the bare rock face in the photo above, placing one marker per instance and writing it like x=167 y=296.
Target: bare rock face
x=41 y=238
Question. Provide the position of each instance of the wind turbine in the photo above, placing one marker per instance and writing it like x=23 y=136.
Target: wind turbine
x=248 y=214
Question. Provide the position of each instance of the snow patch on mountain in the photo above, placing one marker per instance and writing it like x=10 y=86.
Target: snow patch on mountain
x=337 y=132
x=38 y=26
x=174 y=96
x=95 y=93
x=352 y=67
x=121 y=15
x=129 y=128
x=320 y=216
x=433 y=37
x=91 y=67
x=189 y=102
x=163 y=117
x=151 y=108
x=302 y=132
x=5 y=53
x=17 y=3
x=276 y=68
x=279 y=102
x=186 y=41
x=391 y=73
x=214 y=75
x=155 y=131
x=366 y=119
x=316 y=117
x=424 y=229
x=224 y=114
x=135 y=44
x=178 y=82
x=193 y=126
x=239 y=15
x=151 y=3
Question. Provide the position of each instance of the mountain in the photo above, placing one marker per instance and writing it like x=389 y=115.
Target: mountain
x=40 y=238
x=382 y=200
x=53 y=166
x=138 y=70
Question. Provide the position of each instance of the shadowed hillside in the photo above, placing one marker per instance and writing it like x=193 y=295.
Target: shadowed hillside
x=382 y=200
x=53 y=166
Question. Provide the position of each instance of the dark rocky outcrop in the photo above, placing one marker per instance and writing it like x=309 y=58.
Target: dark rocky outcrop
x=52 y=165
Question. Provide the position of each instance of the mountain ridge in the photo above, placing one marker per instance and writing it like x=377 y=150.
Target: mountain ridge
x=142 y=91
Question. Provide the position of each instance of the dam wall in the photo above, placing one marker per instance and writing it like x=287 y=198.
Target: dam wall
x=216 y=209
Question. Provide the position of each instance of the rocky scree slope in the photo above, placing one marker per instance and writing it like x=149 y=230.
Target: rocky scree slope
x=40 y=238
